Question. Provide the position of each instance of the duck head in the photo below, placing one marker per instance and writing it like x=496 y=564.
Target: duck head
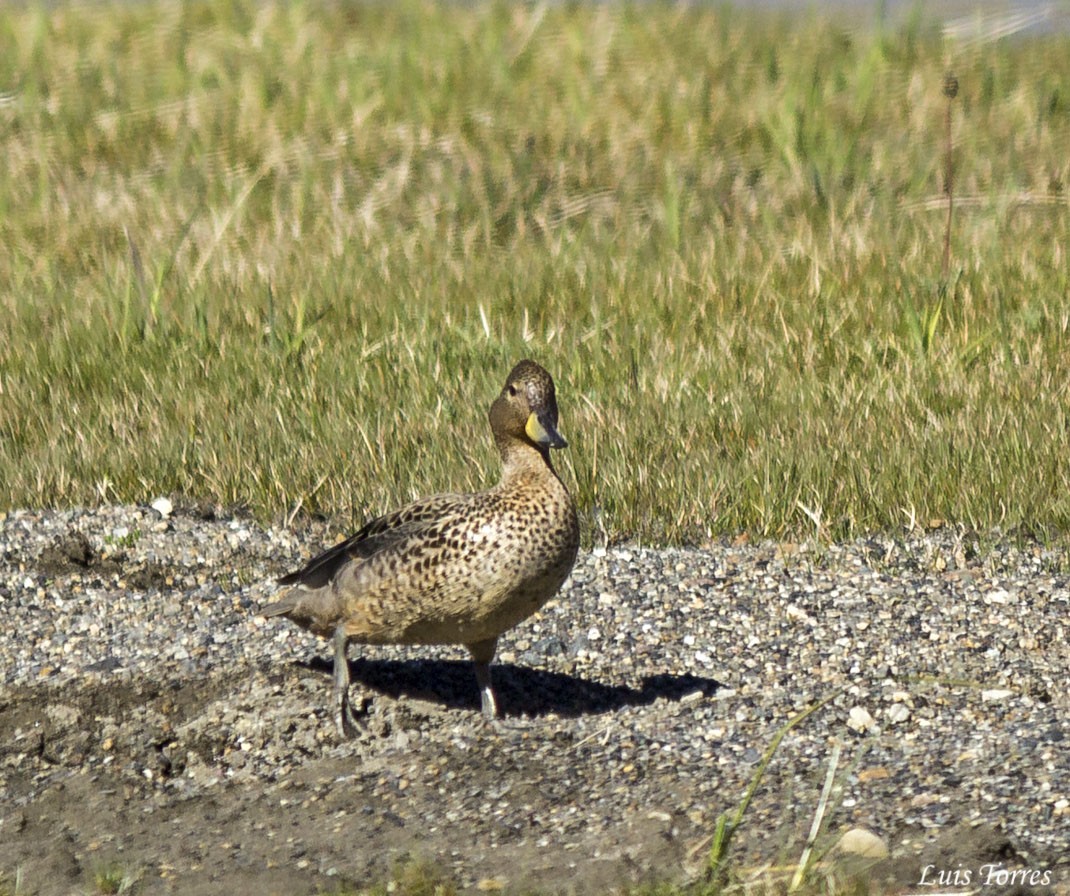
x=526 y=409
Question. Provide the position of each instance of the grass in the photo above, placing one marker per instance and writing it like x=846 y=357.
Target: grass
x=114 y=879
x=282 y=255
x=12 y=884
x=411 y=877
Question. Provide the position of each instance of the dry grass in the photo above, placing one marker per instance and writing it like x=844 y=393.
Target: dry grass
x=271 y=254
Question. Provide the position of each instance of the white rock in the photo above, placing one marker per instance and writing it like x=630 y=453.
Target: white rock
x=897 y=712
x=859 y=719
x=163 y=507
x=995 y=695
x=863 y=843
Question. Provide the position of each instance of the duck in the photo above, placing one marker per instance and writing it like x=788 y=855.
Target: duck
x=453 y=568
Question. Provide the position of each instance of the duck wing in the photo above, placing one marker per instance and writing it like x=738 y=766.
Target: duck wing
x=376 y=536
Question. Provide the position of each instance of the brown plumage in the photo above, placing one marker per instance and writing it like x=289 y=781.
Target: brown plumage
x=451 y=569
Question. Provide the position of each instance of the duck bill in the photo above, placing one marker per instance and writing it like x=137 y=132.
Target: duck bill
x=542 y=431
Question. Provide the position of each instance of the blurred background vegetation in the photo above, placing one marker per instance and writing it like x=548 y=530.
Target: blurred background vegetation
x=282 y=256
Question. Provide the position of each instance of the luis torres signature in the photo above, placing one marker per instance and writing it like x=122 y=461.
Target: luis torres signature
x=991 y=874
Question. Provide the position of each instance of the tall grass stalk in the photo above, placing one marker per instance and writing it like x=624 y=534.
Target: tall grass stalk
x=728 y=824
x=817 y=824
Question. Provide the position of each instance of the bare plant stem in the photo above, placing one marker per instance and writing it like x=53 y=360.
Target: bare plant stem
x=951 y=89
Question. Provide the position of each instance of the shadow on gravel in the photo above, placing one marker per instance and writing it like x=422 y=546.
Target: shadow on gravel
x=520 y=690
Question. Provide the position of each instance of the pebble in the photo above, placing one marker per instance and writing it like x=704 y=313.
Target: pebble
x=859 y=719
x=862 y=843
x=163 y=507
x=896 y=713
x=649 y=688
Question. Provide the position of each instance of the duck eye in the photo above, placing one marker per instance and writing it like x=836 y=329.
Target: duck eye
x=511 y=389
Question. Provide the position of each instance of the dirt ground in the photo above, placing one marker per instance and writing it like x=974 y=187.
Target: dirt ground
x=85 y=795
x=80 y=801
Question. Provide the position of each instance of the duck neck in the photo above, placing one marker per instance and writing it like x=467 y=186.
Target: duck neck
x=522 y=459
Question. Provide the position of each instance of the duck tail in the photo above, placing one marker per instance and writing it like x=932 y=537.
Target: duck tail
x=315 y=609
x=281 y=607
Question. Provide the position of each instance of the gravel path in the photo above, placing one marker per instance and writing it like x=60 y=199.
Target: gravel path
x=149 y=718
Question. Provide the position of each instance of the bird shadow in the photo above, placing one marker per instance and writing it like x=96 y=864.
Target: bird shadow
x=520 y=690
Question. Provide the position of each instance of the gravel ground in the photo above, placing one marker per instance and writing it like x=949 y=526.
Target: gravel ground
x=150 y=719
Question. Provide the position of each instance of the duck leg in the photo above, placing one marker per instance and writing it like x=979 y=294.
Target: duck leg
x=482 y=654
x=344 y=720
